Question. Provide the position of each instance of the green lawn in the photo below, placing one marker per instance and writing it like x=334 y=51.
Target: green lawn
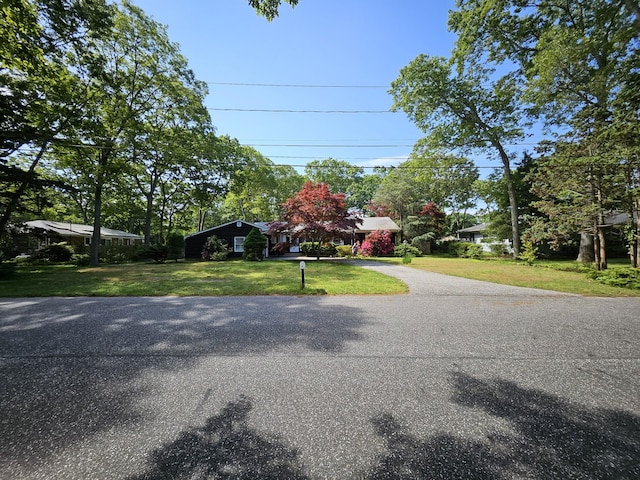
x=547 y=275
x=237 y=277
x=232 y=277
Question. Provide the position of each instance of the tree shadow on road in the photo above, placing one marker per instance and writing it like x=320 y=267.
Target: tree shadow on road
x=552 y=439
x=225 y=447
x=556 y=438
x=441 y=456
x=73 y=368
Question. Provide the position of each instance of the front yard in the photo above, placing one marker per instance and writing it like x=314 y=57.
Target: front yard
x=231 y=277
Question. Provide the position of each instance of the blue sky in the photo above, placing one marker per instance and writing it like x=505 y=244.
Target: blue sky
x=362 y=43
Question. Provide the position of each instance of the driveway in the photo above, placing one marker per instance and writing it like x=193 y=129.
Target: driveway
x=458 y=379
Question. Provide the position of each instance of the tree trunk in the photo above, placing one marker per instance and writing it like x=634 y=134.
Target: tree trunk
x=15 y=196
x=635 y=245
x=104 y=156
x=601 y=258
x=94 y=258
x=586 y=251
x=147 y=219
x=202 y=216
x=634 y=237
x=599 y=245
x=602 y=263
x=513 y=201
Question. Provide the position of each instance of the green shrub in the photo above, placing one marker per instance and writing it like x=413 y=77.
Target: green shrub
x=175 y=246
x=7 y=270
x=157 y=253
x=326 y=249
x=215 y=249
x=618 y=277
x=254 y=245
x=459 y=249
x=498 y=249
x=117 y=254
x=54 y=253
x=343 y=250
x=423 y=242
x=473 y=250
x=406 y=249
x=529 y=253
x=81 y=259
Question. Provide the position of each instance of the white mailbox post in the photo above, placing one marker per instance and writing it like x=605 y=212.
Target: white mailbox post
x=302 y=267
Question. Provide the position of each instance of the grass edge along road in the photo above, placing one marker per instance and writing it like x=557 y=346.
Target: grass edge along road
x=237 y=277
x=231 y=277
x=558 y=276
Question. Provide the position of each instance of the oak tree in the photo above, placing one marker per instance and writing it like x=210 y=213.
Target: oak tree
x=463 y=108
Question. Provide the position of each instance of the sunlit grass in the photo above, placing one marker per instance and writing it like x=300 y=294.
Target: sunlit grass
x=233 y=277
x=559 y=276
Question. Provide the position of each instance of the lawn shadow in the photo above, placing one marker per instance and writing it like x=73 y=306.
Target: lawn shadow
x=225 y=447
x=552 y=439
x=72 y=368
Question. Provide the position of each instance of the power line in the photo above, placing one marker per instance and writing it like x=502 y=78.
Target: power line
x=292 y=85
x=325 y=145
x=272 y=110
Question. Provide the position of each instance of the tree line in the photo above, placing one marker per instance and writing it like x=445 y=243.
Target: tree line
x=103 y=122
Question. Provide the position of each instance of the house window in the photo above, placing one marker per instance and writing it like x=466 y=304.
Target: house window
x=238 y=244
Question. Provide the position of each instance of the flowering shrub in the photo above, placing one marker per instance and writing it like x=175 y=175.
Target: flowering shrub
x=376 y=244
x=366 y=249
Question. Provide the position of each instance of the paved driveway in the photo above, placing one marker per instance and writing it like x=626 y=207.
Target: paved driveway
x=458 y=379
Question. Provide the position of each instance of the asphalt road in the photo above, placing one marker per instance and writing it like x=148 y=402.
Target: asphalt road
x=458 y=379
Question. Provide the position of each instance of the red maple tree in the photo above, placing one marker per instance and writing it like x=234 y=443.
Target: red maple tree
x=315 y=214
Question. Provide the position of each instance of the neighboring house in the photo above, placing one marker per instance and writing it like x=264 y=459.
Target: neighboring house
x=374 y=224
x=233 y=233
x=473 y=234
x=477 y=234
x=43 y=232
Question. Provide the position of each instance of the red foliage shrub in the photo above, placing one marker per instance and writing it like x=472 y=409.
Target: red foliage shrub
x=379 y=243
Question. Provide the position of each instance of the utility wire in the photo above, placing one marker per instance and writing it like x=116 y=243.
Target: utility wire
x=292 y=85
x=271 y=110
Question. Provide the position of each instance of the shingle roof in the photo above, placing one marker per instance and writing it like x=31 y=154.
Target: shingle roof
x=481 y=227
x=372 y=224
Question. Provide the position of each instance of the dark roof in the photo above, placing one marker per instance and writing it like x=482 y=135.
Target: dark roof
x=259 y=225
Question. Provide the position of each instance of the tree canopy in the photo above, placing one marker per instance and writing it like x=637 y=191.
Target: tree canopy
x=270 y=8
x=315 y=213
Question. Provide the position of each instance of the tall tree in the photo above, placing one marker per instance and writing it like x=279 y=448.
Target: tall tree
x=448 y=179
x=399 y=194
x=257 y=187
x=341 y=176
x=130 y=74
x=463 y=108
x=425 y=226
x=316 y=214
x=42 y=97
x=576 y=57
x=167 y=139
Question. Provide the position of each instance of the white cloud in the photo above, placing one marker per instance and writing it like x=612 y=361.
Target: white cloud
x=383 y=161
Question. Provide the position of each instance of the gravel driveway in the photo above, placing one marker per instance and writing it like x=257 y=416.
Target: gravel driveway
x=458 y=379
